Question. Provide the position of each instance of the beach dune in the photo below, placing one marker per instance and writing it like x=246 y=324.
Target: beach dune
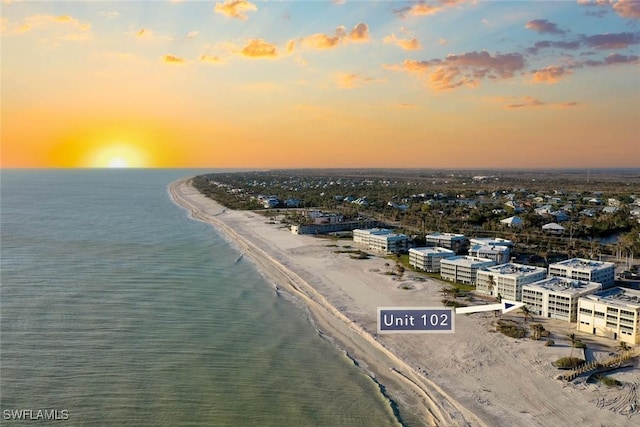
x=473 y=377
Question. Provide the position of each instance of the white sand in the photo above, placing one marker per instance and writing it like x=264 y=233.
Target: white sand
x=473 y=377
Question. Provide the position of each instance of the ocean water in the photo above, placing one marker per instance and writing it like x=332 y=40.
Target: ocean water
x=118 y=309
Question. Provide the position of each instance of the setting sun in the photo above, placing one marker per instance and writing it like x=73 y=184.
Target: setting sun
x=118 y=155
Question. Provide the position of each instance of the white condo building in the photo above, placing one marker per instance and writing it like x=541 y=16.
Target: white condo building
x=381 y=239
x=428 y=259
x=508 y=279
x=557 y=297
x=613 y=313
x=585 y=270
x=447 y=240
x=490 y=241
x=499 y=254
x=463 y=269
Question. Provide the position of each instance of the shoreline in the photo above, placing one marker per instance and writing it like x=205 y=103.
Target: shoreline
x=497 y=380
x=329 y=321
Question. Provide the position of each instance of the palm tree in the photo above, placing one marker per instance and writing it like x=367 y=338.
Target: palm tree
x=573 y=339
x=537 y=331
x=526 y=313
x=491 y=285
x=623 y=347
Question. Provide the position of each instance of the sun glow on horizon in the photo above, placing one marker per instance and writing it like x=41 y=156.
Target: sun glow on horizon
x=117 y=155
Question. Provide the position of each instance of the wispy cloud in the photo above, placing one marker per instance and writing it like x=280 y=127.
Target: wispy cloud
x=235 y=8
x=551 y=74
x=61 y=27
x=144 y=33
x=405 y=44
x=212 y=59
x=543 y=26
x=350 y=80
x=359 y=33
x=611 y=40
x=172 y=59
x=423 y=8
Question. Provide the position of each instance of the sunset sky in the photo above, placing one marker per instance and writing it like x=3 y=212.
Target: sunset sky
x=238 y=83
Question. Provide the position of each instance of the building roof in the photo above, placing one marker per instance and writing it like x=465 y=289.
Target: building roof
x=553 y=226
x=432 y=250
x=489 y=249
x=513 y=220
x=565 y=285
x=620 y=297
x=583 y=264
x=513 y=269
x=445 y=236
x=466 y=260
x=490 y=241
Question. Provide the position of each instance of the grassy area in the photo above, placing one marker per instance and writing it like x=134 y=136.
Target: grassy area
x=511 y=329
x=608 y=381
x=568 y=362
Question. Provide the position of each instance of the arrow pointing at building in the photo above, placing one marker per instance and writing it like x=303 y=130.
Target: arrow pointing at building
x=506 y=306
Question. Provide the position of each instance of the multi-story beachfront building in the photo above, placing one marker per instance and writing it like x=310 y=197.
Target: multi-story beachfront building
x=455 y=242
x=585 y=270
x=428 y=259
x=463 y=269
x=557 y=297
x=612 y=313
x=381 y=239
x=507 y=280
x=500 y=254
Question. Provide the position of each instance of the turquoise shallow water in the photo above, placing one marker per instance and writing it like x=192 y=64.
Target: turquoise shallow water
x=120 y=310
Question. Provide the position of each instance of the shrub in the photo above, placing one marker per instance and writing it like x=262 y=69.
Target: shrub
x=511 y=329
x=608 y=381
x=549 y=343
x=568 y=362
x=579 y=344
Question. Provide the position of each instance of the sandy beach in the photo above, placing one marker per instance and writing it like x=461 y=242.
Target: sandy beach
x=473 y=377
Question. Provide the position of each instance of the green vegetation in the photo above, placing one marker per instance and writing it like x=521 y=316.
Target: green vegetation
x=568 y=362
x=511 y=329
x=608 y=381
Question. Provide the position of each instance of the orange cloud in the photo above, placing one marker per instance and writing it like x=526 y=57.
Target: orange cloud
x=350 y=81
x=324 y=41
x=551 y=74
x=543 y=26
x=235 y=8
x=63 y=27
x=143 y=33
x=627 y=8
x=291 y=45
x=171 y=59
x=211 y=59
x=531 y=102
x=258 y=48
x=422 y=8
x=467 y=69
x=360 y=33
x=405 y=44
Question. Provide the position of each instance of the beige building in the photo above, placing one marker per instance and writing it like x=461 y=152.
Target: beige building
x=428 y=259
x=613 y=313
x=463 y=269
x=585 y=270
x=557 y=297
x=507 y=280
x=381 y=240
x=499 y=254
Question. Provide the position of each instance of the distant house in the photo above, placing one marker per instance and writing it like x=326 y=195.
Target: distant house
x=560 y=216
x=609 y=209
x=292 y=203
x=553 y=228
x=512 y=221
